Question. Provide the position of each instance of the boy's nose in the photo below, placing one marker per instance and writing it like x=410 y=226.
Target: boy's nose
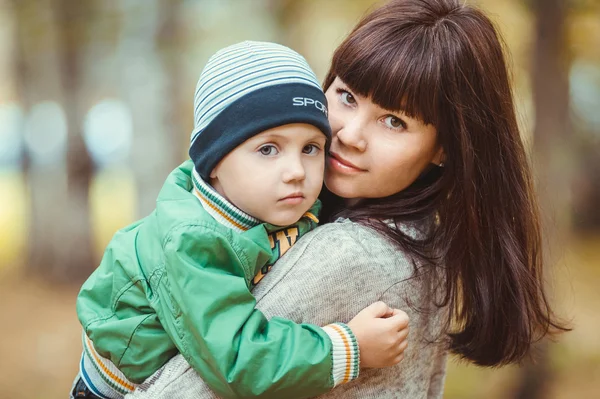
x=293 y=170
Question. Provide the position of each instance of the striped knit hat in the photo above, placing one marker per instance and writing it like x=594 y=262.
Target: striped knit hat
x=246 y=89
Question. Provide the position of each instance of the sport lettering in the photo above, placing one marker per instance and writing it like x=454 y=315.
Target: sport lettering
x=306 y=101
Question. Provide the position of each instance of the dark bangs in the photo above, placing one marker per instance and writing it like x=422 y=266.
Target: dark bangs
x=396 y=66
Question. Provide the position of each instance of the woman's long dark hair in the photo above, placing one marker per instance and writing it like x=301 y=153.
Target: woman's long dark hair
x=443 y=62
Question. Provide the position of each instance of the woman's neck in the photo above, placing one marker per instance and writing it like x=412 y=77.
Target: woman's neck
x=352 y=202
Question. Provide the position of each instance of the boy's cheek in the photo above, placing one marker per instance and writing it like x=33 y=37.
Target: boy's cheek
x=317 y=169
x=315 y=180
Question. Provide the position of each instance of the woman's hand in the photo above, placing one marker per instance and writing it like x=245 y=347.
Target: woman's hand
x=381 y=333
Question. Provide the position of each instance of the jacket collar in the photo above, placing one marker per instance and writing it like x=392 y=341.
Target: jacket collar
x=219 y=208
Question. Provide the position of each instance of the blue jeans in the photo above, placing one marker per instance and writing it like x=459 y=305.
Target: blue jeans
x=81 y=391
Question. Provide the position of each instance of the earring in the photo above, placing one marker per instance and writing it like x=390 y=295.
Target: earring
x=441 y=165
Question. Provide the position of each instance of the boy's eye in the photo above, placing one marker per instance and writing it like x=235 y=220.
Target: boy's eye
x=268 y=150
x=310 y=149
x=394 y=122
x=346 y=97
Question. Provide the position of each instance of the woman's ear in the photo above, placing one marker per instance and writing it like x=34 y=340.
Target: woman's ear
x=439 y=158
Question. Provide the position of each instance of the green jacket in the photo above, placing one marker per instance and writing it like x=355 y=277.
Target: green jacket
x=179 y=281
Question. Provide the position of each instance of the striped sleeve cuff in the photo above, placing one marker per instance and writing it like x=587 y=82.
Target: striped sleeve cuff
x=100 y=375
x=345 y=353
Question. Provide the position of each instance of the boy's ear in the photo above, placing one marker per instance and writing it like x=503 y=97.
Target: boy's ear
x=214 y=172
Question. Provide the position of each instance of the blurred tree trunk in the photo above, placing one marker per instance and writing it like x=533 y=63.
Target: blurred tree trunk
x=552 y=159
x=145 y=89
x=47 y=69
x=37 y=76
x=77 y=260
x=172 y=44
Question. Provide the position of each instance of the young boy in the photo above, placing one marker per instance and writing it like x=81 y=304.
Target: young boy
x=179 y=280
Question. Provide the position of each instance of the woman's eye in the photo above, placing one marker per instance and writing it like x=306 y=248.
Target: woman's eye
x=268 y=150
x=310 y=149
x=347 y=98
x=393 y=122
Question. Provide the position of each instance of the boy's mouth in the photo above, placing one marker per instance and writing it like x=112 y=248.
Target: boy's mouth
x=293 y=198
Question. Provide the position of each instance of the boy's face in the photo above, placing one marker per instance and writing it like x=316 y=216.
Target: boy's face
x=276 y=175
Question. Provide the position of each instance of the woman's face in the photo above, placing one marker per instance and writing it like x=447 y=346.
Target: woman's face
x=374 y=152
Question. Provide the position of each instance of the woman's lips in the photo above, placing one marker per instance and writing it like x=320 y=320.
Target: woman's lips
x=341 y=165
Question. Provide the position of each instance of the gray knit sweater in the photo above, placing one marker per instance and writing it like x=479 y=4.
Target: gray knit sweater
x=330 y=275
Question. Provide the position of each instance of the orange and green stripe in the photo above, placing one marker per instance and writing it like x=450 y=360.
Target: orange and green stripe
x=345 y=353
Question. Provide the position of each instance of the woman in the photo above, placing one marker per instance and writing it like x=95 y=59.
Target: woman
x=431 y=194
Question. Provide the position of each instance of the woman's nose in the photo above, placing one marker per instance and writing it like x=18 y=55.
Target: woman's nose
x=350 y=134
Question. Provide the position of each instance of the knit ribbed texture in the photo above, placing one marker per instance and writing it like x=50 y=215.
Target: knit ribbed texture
x=224 y=211
x=249 y=88
x=242 y=68
x=100 y=375
x=218 y=207
x=345 y=353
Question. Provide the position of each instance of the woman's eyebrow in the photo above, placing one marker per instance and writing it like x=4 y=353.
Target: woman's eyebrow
x=342 y=85
x=399 y=113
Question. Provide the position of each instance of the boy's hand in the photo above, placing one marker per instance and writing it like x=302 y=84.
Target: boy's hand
x=381 y=333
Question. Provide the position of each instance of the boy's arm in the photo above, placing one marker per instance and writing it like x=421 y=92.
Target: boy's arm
x=209 y=312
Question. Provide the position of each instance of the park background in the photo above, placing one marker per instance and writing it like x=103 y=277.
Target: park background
x=96 y=109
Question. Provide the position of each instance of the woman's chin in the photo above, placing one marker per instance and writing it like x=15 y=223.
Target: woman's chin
x=340 y=187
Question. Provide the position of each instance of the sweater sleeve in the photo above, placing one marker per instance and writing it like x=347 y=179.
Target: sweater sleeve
x=209 y=312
